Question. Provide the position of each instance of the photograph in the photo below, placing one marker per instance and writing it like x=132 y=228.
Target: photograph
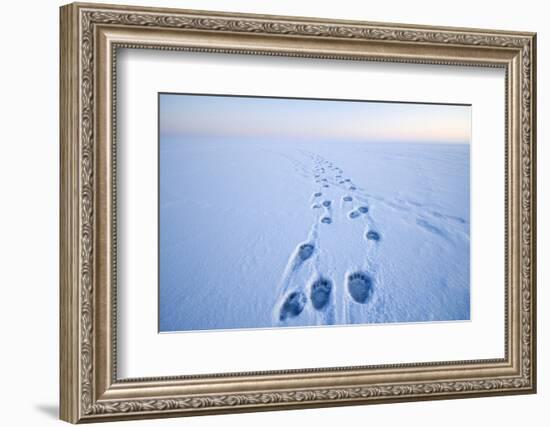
x=269 y=209
x=300 y=212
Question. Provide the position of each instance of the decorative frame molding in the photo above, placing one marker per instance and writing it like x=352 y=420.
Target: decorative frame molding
x=90 y=36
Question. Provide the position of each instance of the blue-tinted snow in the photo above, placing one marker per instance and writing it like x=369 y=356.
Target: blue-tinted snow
x=241 y=246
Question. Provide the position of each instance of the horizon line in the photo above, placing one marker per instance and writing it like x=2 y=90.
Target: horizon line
x=298 y=139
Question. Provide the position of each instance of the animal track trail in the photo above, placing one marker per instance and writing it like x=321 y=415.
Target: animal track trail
x=292 y=293
x=427 y=226
x=309 y=287
x=426 y=218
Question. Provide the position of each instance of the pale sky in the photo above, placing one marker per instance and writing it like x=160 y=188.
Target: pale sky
x=299 y=119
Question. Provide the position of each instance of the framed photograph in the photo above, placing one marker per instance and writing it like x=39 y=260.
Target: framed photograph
x=266 y=212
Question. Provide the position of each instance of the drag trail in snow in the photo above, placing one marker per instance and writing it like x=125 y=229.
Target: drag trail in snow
x=309 y=234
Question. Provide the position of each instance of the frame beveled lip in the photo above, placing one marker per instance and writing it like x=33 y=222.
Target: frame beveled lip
x=90 y=35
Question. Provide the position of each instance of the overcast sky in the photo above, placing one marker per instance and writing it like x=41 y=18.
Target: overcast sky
x=241 y=117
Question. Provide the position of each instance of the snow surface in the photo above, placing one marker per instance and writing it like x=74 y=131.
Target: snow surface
x=260 y=234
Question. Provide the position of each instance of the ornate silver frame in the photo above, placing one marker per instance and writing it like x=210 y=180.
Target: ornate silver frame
x=90 y=36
